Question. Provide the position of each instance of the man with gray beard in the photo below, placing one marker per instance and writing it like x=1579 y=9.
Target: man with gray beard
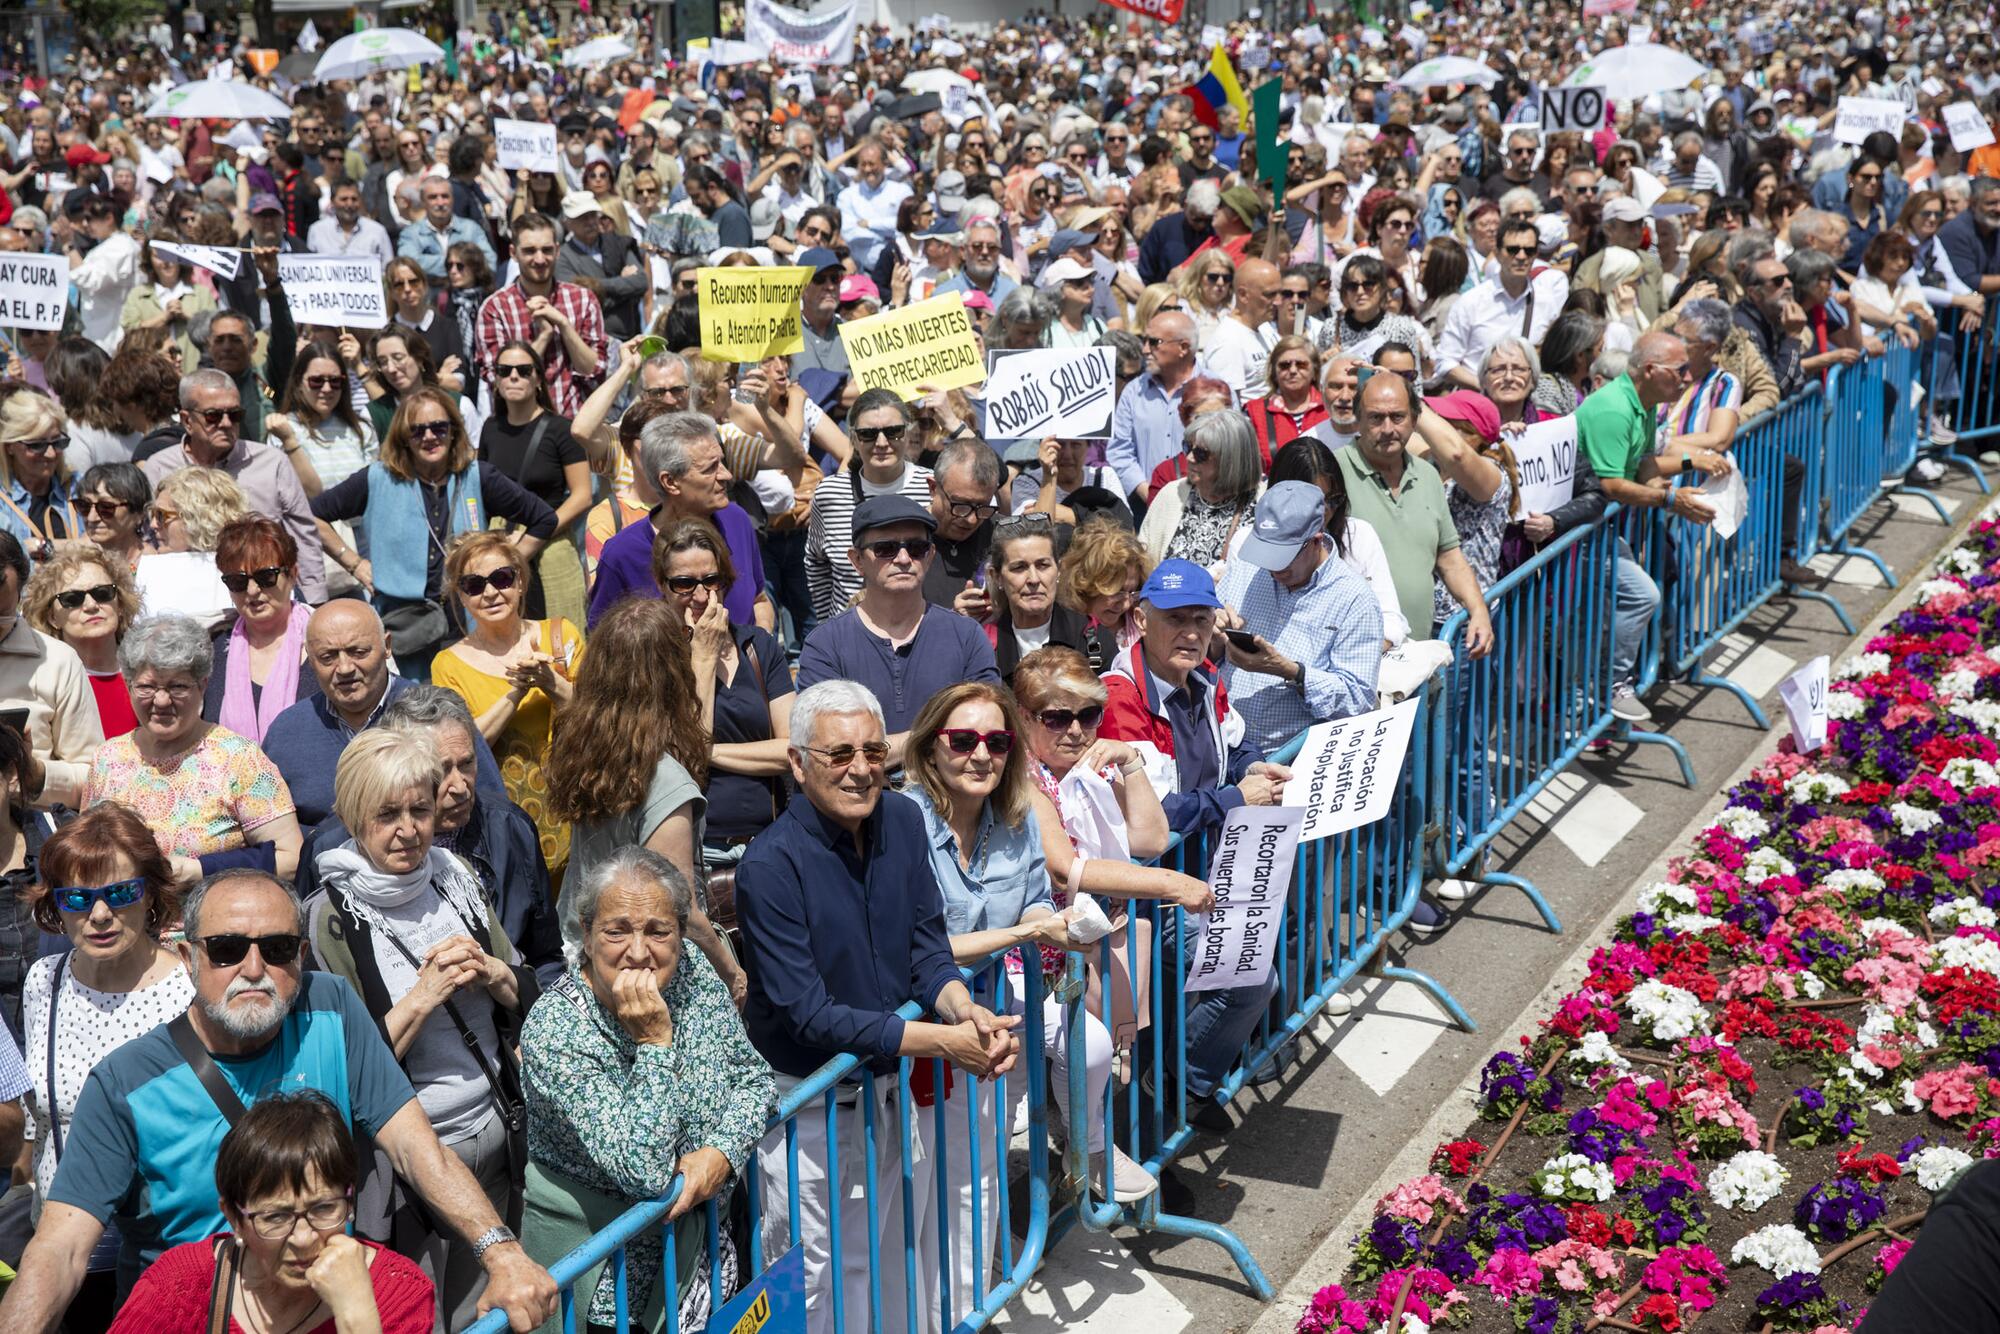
x=141 y=1147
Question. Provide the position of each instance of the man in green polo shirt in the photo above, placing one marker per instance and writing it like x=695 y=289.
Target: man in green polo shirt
x=1402 y=497
x=1615 y=427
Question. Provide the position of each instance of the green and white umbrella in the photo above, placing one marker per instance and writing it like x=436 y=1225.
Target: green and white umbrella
x=1636 y=71
x=360 y=54
x=1443 y=70
x=219 y=99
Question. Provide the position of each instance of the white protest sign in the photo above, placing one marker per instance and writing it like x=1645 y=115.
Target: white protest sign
x=1907 y=92
x=957 y=97
x=219 y=260
x=153 y=167
x=1311 y=35
x=1411 y=36
x=309 y=38
x=1251 y=875
x=1804 y=696
x=1347 y=772
x=1213 y=35
x=1858 y=117
x=1545 y=457
x=1968 y=127
x=797 y=38
x=800 y=82
x=34 y=291
x=1065 y=392
x=342 y=290
x=526 y=145
x=1571 y=109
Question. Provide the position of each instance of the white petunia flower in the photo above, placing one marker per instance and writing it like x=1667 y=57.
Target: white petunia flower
x=1815 y=787
x=1975 y=952
x=1742 y=822
x=1845 y=705
x=1934 y=1166
x=1852 y=880
x=1572 y=1173
x=1914 y=819
x=1809 y=984
x=1595 y=1049
x=1780 y=1248
x=1983 y=714
x=1957 y=683
x=1860 y=665
x=1966 y=773
x=1671 y=1013
x=1963 y=911
x=1763 y=863
x=1936 y=588
x=1748 y=1181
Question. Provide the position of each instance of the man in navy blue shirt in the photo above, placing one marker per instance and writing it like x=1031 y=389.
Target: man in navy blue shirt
x=844 y=934
x=893 y=641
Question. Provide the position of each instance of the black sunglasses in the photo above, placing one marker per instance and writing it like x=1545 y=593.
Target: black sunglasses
x=886 y=549
x=1058 y=720
x=965 y=740
x=472 y=585
x=238 y=581
x=866 y=434
x=54 y=444
x=507 y=370
x=103 y=509
x=102 y=594
x=687 y=583
x=226 y=951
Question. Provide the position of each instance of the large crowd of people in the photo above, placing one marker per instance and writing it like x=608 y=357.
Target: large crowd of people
x=384 y=712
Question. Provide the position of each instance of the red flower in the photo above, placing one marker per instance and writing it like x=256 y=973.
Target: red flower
x=1661 y=1311
x=1877 y=1167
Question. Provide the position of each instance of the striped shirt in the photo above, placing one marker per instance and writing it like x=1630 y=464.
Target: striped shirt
x=831 y=578
x=1691 y=412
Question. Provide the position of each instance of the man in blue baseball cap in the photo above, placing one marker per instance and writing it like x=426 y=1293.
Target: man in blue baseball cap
x=819 y=303
x=1315 y=626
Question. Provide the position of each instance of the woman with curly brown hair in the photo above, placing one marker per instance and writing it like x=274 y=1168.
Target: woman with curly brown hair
x=87 y=598
x=628 y=758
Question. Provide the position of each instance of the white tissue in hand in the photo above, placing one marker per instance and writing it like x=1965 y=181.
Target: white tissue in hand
x=1087 y=922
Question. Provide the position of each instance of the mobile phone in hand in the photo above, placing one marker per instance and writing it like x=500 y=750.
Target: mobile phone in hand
x=1242 y=639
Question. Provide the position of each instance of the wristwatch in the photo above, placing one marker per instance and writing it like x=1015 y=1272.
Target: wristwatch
x=497 y=1235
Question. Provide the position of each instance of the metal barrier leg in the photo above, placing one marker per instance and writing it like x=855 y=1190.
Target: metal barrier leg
x=1928 y=497
x=1794 y=592
x=1953 y=459
x=1699 y=676
x=1843 y=547
x=1626 y=732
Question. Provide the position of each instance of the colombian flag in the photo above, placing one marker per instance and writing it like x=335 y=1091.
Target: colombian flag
x=1218 y=88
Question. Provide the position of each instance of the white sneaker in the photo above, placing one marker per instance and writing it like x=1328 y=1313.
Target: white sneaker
x=1129 y=1181
x=1927 y=470
x=1941 y=432
x=1627 y=707
x=1453 y=891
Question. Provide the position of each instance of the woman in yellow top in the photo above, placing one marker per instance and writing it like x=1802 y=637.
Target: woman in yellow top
x=514 y=675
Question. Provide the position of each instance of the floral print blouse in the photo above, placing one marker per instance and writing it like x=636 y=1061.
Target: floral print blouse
x=618 y=1117
x=1480 y=528
x=1203 y=534
x=207 y=798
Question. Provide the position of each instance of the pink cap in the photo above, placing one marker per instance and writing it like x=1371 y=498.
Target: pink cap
x=859 y=287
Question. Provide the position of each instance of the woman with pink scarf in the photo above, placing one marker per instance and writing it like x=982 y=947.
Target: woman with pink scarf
x=260 y=666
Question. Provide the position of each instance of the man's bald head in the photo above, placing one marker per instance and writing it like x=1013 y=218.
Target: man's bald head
x=1256 y=290
x=1169 y=345
x=349 y=652
x=1658 y=367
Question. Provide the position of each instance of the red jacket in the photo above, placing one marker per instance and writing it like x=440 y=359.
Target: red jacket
x=1132 y=714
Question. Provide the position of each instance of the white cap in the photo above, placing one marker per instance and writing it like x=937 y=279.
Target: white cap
x=1064 y=270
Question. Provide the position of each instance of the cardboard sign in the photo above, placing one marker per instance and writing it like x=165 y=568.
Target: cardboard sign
x=1251 y=875
x=1545 y=456
x=1571 y=109
x=1968 y=126
x=34 y=291
x=793 y=37
x=1907 y=92
x=218 y=260
x=526 y=145
x=1858 y=117
x=1804 y=697
x=957 y=97
x=748 y=314
x=342 y=290
x=929 y=343
x=1067 y=393
x=1348 y=770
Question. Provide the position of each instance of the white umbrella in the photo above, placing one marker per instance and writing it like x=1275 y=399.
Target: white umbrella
x=1636 y=71
x=225 y=99
x=934 y=81
x=360 y=54
x=597 y=51
x=1446 y=70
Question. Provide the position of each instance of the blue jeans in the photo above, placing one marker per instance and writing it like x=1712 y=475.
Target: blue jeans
x=1219 y=1023
x=1636 y=599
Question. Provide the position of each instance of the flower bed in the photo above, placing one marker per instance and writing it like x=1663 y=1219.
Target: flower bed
x=1739 y=1119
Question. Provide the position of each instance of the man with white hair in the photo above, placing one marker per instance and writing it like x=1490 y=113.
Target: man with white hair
x=981 y=271
x=843 y=924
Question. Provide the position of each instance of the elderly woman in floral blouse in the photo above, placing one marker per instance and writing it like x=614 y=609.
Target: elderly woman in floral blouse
x=636 y=1068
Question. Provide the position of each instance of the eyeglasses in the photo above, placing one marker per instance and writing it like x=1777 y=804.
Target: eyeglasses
x=325 y=383
x=667 y=391
x=320 y=1216
x=508 y=370
x=1148 y=340
x=161 y=516
x=1360 y=284
x=54 y=444
x=1059 y=720
x=966 y=509
x=1776 y=280
x=1867 y=175
x=79 y=898
x=473 y=585
x=870 y=434
x=1200 y=453
x=103 y=594
x=1518 y=251
x=916 y=547
x=226 y=951
x=402 y=284
x=103 y=509
x=839 y=757
x=965 y=740
x=1218 y=276
x=430 y=430
x=178 y=691
x=267 y=576
x=687 y=583
x=1397 y=225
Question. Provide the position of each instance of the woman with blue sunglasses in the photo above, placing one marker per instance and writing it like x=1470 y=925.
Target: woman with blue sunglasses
x=106 y=886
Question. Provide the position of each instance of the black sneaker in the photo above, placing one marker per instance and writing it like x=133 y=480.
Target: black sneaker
x=1210 y=1115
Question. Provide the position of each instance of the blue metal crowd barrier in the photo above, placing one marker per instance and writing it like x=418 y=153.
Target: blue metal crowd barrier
x=1975 y=382
x=947 y=1244
x=1856 y=454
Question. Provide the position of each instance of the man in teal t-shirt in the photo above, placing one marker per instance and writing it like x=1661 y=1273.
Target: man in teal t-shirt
x=1615 y=428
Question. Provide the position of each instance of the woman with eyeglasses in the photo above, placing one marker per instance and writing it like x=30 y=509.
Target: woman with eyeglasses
x=260 y=657
x=1366 y=323
x=285 y=1177
x=316 y=413
x=112 y=500
x=413 y=162
x=526 y=440
x=1100 y=576
x=408 y=925
x=536 y=192
x=413 y=307
x=598 y=179
x=1507 y=376
x=212 y=799
x=106 y=888
x=468 y=282
x=1195 y=517
x=36 y=504
x=1329 y=236
x=629 y=758
x=1294 y=406
x=398 y=361
x=87 y=599
x=1390 y=221
x=1441 y=212
x=189 y=510
x=752 y=690
x=514 y=673
x=1207 y=286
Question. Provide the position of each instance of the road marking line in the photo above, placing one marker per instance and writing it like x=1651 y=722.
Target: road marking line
x=1850 y=570
x=1090 y=1284
x=1389 y=1032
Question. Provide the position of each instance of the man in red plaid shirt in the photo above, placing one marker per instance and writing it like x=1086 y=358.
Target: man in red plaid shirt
x=562 y=320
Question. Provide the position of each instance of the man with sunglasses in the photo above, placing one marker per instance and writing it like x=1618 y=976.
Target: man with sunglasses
x=1146 y=423
x=894 y=641
x=843 y=924
x=212 y=414
x=1516 y=301
x=142 y=1142
x=981 y=271
x=1518 y=168
x=1623 y=223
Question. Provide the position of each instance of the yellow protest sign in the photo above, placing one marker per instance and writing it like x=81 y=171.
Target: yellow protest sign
x=748 y=314
x=930 y=343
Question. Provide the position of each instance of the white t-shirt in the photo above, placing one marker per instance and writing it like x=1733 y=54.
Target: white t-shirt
x=1027 y=641
x=1237 y=354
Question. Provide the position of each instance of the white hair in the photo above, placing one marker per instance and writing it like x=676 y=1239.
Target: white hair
x=829 y=699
